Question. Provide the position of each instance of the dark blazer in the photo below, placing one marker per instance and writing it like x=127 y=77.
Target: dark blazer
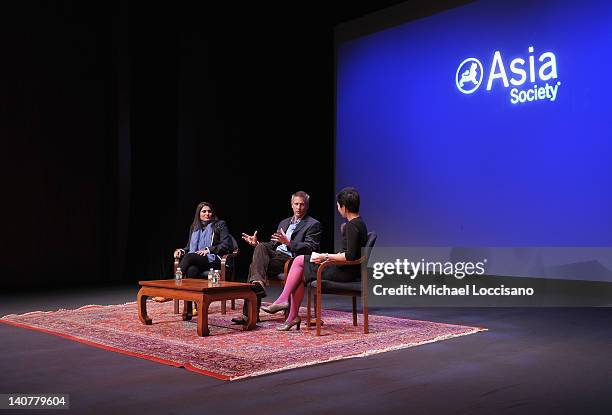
x=222 y=241
x=305 y=239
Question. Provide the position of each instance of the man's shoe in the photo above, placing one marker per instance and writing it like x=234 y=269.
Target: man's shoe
x=260 y=288
x=242 y=320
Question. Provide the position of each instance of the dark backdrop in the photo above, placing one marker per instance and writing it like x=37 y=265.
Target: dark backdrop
x=117 y=118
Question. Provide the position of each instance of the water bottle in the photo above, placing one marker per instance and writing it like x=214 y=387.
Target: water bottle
x=179 y=274
x=211 y=275
x=216 y=277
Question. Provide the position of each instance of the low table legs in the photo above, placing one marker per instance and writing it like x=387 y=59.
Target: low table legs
x=142 y=308
x=202 y=315
x=252 y=317
x=187 y=310
x=202 y=302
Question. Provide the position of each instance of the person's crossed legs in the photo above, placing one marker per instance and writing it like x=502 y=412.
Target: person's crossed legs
x=266 y=261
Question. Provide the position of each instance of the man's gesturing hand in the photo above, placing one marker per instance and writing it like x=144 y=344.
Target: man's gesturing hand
x=250 y=239
x=280 y=236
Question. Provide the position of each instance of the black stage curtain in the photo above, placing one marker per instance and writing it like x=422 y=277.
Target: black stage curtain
x=119 y=117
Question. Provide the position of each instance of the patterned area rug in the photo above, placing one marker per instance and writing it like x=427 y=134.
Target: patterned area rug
x=230 y=353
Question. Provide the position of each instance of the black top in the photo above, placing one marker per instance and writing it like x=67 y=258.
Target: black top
x=354 y=237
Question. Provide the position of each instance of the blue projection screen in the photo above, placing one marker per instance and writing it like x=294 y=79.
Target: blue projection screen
x=487 y=125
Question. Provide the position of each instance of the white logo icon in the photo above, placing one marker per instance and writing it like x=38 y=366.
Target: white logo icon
x=469 y=75
x=540 y=72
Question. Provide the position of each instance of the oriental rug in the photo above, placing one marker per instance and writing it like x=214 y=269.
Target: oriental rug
x=230 y=353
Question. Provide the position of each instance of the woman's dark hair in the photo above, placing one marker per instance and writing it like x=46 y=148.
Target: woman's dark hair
x=196 y=218
x=349 y=198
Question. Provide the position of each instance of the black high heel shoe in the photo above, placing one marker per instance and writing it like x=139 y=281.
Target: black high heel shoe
x=275 y=308
x=287 y=326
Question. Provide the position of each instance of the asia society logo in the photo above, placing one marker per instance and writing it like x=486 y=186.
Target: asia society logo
x=532 y=80
x=469 y=75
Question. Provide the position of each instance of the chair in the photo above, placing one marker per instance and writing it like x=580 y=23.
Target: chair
x=228 y=268
x=280 y=278
x=352 y=289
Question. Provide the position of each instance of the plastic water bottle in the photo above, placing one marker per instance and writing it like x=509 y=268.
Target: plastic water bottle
x=216 y=277
x=211 y=275
x=179 y=274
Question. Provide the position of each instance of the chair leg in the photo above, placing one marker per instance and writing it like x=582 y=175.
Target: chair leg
x=354 y=311
x=366 y=328
x=233 y=302
x=174 y=268
x=223 y=278
x=318 y=310
x=308 y=307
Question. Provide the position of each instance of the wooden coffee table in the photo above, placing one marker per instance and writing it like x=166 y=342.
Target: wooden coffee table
x=202 y=293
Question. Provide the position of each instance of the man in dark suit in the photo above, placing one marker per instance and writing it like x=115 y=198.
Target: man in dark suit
x=299 y=234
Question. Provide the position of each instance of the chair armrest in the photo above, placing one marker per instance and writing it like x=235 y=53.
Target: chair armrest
x=224 y=259
x=335 y=262
x=176 y=263
x=338 y=262
x=231 y=254
x=287 y=266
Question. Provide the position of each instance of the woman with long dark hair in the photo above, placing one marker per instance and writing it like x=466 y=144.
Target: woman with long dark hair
x=209 y=239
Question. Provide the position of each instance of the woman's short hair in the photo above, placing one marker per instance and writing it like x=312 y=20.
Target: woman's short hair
x=349 y=198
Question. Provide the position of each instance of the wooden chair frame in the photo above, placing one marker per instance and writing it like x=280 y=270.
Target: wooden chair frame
x=354 y=294
x=224 y=260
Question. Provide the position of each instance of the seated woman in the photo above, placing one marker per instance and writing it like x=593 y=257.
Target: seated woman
x=304 y=267
x=209 y=239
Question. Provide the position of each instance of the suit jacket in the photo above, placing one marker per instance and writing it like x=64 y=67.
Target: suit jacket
x=305 y=239
x=222 y=241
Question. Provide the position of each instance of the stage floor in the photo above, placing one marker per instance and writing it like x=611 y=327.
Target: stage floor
x=532 y=360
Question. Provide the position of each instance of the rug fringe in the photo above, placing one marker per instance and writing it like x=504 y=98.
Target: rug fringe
x=90 y=343
x=85 y=307
x=357 y=355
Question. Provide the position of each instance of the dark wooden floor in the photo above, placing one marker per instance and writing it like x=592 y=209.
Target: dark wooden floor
x=531 y=361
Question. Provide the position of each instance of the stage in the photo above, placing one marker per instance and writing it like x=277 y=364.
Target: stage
x=475 y=134
x=537 y=360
